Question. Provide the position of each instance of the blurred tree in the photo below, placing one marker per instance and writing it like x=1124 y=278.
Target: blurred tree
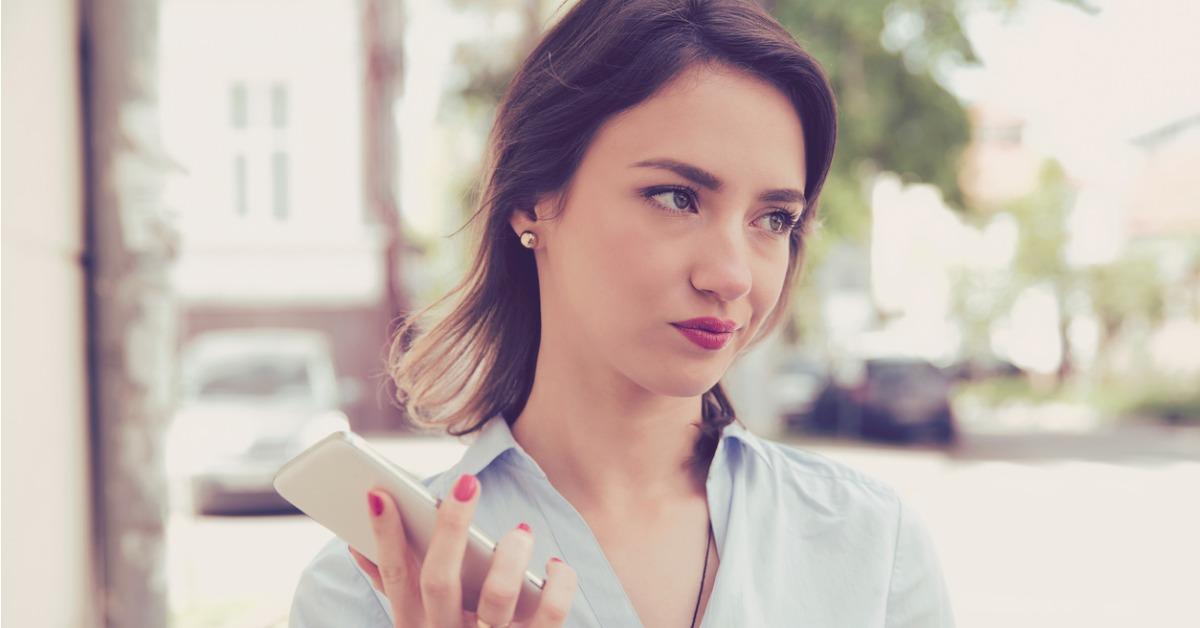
x=979 y=297
x=131 y=313
x=893 y=114
x=882 y=57
x=888 y=61
x=383 y=78
x=1129 y=286
x=485 y=65
x=1042 y=226
x=1042 y=220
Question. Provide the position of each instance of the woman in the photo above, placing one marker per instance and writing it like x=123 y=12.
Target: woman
x=653 y=173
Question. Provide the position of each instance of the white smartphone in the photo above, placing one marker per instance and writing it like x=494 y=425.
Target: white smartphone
x=329 y=482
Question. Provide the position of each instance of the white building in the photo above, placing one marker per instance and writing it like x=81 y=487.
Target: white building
x=262 y=108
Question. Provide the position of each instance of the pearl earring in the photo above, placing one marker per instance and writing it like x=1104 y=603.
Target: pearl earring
x=529 y=239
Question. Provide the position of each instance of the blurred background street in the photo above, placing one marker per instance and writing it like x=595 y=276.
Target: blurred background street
x=215 y=212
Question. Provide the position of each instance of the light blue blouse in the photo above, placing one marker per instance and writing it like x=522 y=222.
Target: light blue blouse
x=802 y=540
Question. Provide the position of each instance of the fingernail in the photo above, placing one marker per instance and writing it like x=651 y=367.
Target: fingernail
x=376 y=504
x=555 y=559
x=464 y=490
x=525 y=527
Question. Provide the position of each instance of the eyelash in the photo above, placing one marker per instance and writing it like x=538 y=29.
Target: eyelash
x=790 y=220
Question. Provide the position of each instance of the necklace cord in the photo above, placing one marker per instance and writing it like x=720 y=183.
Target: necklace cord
x=703 y=575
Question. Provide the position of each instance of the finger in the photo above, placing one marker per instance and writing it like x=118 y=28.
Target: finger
x=441 y=573
x=397 y=572
x=498 y=597
x=557 y=595
x=369 y=567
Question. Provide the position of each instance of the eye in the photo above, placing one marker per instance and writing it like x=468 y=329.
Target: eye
x=785 y=221
x=682 y=200
x=676 y=200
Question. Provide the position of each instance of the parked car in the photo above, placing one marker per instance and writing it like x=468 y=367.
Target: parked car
x=979 y=367
x=250 y=400
x=896 y=399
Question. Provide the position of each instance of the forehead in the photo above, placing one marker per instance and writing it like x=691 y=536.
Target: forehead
x=736 y=125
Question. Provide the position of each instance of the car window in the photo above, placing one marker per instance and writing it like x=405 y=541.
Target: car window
x=259 y=378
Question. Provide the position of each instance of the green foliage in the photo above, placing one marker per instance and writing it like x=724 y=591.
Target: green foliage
x=1150 y=398
x=1042 y=222
x=893 y=113
x=1126 y=286
x=1130 y=285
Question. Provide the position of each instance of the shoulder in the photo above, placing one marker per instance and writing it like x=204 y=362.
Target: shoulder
x=333 y=591
x=861 y=515
x=821 y=480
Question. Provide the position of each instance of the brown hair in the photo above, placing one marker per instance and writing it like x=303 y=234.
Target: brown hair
x=601 y=58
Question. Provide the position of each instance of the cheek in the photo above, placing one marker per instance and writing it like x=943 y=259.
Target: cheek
x=768 y=285
x=622 y=247
x=628 y=271
x=611 y=268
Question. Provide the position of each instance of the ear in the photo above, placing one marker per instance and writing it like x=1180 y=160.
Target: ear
x=545 y=208
x=521 y=221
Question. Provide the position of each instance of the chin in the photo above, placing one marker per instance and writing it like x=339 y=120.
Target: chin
x=682 y=383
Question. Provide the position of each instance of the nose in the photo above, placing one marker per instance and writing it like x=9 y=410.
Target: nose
x=722 y=264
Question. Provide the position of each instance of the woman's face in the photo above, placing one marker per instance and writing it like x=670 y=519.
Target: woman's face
x=641 y=244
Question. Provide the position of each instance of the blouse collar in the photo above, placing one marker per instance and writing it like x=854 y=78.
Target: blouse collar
x=495 y=438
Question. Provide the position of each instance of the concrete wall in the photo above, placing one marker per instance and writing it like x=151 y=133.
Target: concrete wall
x=47 y=555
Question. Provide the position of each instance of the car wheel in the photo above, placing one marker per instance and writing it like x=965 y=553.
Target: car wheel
x=944 y=430
x=203 y=502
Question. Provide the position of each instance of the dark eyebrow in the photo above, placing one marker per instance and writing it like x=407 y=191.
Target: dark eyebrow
x=709 y=180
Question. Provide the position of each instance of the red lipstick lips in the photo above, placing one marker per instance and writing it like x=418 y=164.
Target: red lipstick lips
x=707 y=332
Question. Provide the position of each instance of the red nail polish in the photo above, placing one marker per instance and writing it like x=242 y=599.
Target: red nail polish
x=464 y=490
x=376 y=504
x=525 y=527
x=555 y=559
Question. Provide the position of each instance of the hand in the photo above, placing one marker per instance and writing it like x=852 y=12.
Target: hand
x=429 y=595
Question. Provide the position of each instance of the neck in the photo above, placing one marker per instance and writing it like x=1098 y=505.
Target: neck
x=606 y=443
